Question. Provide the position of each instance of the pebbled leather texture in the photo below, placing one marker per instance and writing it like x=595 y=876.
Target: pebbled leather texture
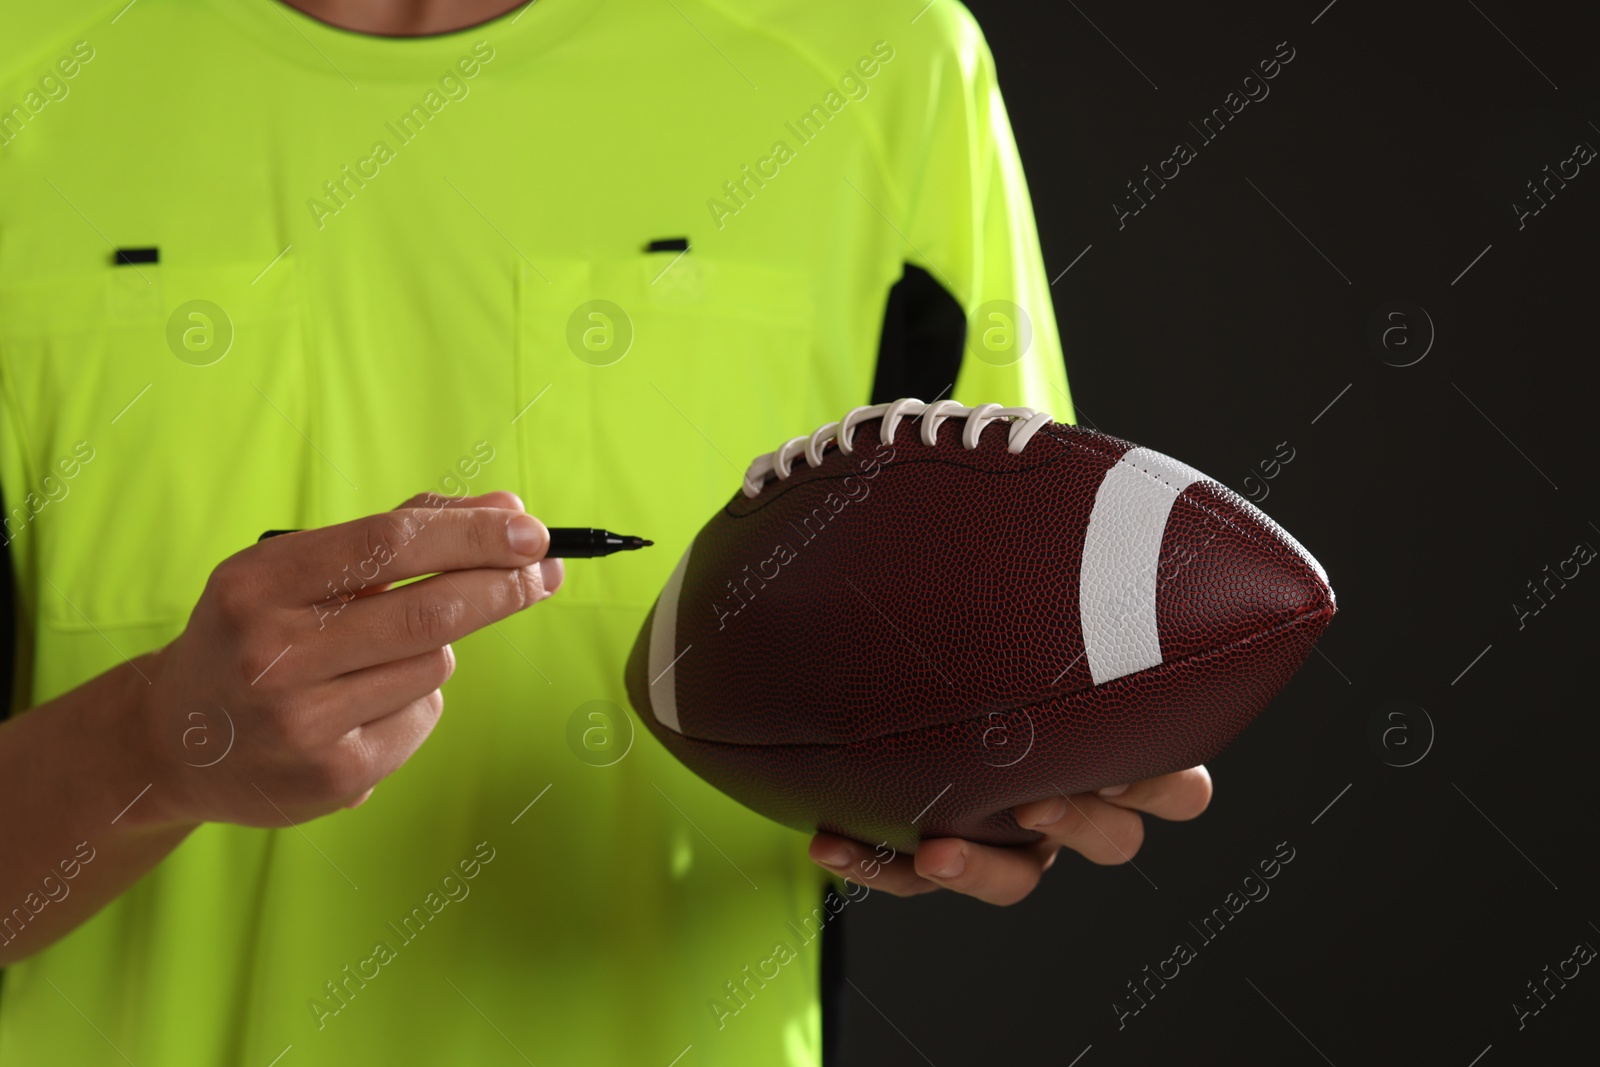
x=890 y=646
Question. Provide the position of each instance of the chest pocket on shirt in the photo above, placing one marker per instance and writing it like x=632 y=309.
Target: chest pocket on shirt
x=164 y=422
x=659 y=378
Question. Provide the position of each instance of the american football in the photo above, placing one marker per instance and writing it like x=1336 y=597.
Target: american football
x=919 y=617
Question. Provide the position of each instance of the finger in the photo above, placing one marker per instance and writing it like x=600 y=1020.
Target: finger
x=349 y=768
x=388 y=742
x=1096 y=829
x=499 y=498
x=999 y=876
x=328 y=566
x=367 y=695
x=425 y=615
x=1178 y=796
x=552 y=572
x=855 y=861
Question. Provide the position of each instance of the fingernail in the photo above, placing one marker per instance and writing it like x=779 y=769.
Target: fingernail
x=551 y=572
x=954 y=868
x=1050 y=814
x=524 y=534
x=836 y=856
x=1111 y=791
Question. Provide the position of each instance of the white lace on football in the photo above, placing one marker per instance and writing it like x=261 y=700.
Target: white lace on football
x=1025 y=422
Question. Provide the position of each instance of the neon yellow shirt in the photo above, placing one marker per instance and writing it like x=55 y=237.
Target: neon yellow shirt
x=400 y=245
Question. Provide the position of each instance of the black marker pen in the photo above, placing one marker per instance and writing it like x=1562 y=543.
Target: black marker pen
x=566 y=542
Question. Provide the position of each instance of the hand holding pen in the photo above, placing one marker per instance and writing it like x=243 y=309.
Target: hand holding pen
x=317 y=661
x=566 y=542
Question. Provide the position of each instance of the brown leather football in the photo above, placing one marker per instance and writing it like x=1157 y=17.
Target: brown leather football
x=917 y=618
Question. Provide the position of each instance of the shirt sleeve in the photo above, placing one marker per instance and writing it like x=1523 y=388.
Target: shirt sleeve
x=971 y=226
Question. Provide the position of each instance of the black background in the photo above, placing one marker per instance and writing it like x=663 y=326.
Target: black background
x=1420 y=903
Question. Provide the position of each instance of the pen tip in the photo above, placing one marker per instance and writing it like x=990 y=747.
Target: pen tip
x=645 y=544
